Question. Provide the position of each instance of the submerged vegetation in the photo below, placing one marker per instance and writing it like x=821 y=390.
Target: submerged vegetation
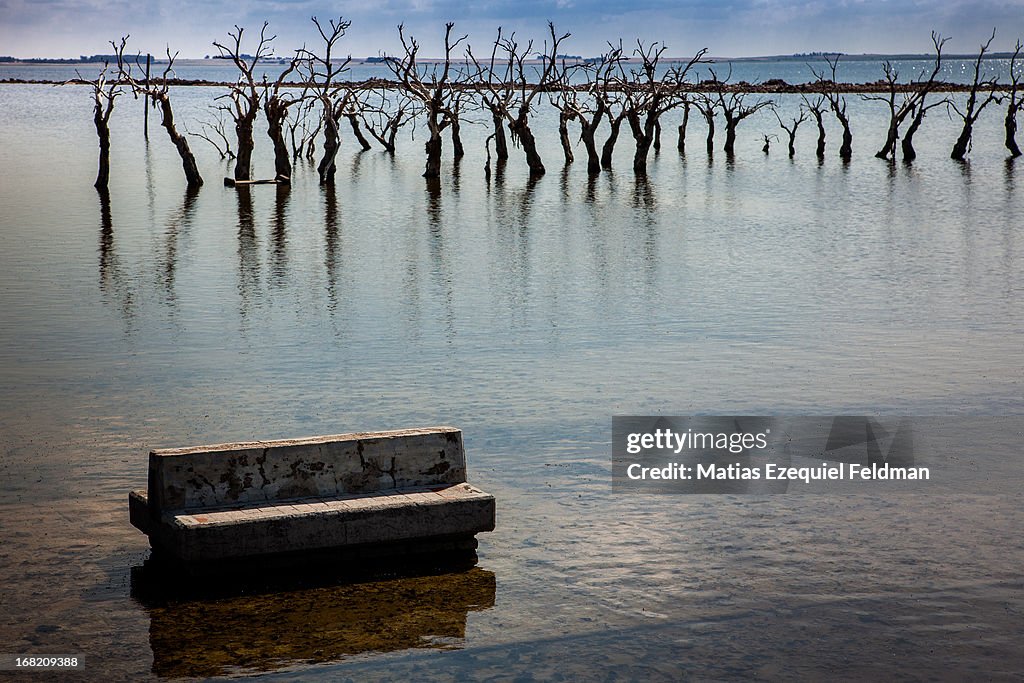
x=509 y=81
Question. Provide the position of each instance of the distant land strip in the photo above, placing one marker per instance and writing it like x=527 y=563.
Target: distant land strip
x=770 y=86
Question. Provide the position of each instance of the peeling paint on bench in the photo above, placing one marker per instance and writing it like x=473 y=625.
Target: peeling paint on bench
x=346 y=491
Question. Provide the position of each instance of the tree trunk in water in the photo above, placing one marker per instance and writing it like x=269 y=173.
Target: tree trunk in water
x=326 y=168
x=587 y=134
x=433 y=147
x=520 y=129
x=792 y=144
x=890 y=141
x=295 y=146
x=310 y=142
x=909 y=154
x=188 y=160
x=243 y=160
x=711 y=134
x=1010 y=123
x=275 y=131
x=609 y=144
x=529 y=144
x=103 y=132
x=730 y=137
x=820 y=150
x=500 y=143
x=657 y=136
x=846 y=149
x=644 y=136
x=563 y=137
x=389 y=141
x=643 y=146
x=681 y=145
x=358 y=132
x=458 y=151
x=962 y=142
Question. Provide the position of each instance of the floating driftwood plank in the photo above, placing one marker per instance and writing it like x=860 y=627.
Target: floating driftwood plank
x=280 y=180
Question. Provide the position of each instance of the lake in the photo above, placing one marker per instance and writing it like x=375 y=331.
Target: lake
x=527 y=313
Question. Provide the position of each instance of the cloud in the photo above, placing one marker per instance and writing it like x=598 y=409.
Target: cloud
x=739 y=27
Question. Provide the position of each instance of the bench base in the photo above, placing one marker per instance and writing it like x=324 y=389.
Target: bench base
x=442 y=554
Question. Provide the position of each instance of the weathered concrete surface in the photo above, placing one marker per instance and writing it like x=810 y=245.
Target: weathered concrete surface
x=225 y=474
x=313 y=524
x=244 y=500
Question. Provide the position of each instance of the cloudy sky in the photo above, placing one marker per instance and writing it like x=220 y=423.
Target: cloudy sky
x=68 y=28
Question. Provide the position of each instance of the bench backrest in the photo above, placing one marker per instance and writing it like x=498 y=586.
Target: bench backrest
x=320 y=466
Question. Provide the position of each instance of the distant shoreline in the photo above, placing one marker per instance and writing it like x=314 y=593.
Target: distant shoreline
x=770 y=86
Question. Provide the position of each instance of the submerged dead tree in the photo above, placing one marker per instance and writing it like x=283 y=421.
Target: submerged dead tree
x=430 y=88
x=497 y=92
x=791 y=128
x=615 y=113
x=681 y=140
x=564 y=117
x=613 y=102
x=1014 y=104
x=564 y=97
x=735 y=111
x=322 y=75
x=157 y=91
x=104 y=92
x=973 y=107
x=383 y=115
x=461 y=98
x=244 y=95
x=589 y=102
x=214 y=133
x=276 y=103
x=731 y=102
x=909 y=153
x=912 y=102
x=648 y=95
x=515 y=110
x=104 y=95
x=920 y=108
x=300 y=135
x=520 y=124
x=706 y=106
x=350 y=106
x=827 y=88
x=897 y=111
x=816 y=109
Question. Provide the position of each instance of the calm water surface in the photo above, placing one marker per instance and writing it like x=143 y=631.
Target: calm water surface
x=527 y=314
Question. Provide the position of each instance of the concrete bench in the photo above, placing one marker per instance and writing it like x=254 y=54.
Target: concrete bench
x=372 y=494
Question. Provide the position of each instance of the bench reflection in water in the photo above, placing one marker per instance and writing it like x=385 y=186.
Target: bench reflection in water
x=200 y=630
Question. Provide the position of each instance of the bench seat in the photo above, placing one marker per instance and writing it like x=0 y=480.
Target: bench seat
x=388 y=516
